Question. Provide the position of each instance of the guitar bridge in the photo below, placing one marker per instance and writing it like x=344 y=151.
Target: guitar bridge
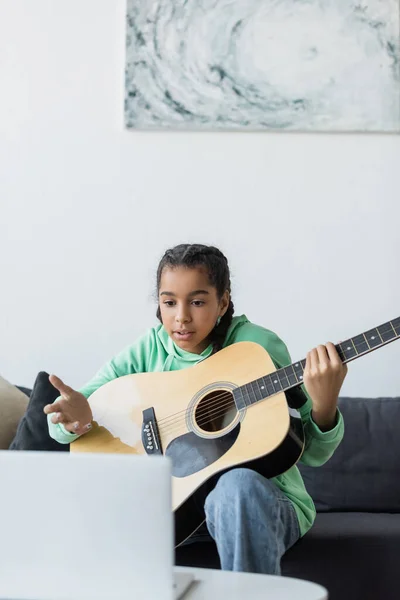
x=150 y=435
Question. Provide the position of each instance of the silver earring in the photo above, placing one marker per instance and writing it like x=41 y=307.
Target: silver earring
x=218 y=321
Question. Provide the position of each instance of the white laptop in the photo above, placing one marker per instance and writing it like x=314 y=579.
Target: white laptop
x=85 y=527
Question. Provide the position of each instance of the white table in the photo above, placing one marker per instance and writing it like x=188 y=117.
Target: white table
x=212 y=584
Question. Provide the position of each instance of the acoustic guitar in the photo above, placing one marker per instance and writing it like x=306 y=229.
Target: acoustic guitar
x=228 y=410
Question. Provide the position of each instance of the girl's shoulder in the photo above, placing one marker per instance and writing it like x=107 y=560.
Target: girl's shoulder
x=243 y=330
x=143 y=354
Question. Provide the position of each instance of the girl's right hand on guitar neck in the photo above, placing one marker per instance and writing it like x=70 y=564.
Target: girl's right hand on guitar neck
x=72 y=409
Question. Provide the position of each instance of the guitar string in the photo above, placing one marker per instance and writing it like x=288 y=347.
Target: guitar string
x=270 y=375
x=219 y=411
x=209 y=401
x=200 y=420
x=213 y=399
x=224 y=400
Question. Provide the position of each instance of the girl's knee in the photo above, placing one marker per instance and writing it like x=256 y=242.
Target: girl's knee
x=240 y=483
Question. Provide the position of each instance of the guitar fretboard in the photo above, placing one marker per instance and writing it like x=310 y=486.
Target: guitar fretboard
x=292 y=375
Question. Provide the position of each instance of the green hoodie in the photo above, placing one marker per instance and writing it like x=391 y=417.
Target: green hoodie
x=156 y=351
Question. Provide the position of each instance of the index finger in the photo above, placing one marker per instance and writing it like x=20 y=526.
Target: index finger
x=52 y=408
x=56 y=382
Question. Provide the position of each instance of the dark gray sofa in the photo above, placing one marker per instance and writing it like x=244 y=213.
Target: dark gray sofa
x=354 y=547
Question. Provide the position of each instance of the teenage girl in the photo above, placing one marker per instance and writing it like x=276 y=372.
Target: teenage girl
x=253 y=520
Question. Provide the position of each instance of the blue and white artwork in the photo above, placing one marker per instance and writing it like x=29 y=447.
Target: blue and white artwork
x=296 y=65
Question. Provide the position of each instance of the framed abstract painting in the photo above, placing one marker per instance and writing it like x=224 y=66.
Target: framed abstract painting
x=294 y=65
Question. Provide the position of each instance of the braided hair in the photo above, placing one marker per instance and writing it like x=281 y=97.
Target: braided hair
x=212 y=259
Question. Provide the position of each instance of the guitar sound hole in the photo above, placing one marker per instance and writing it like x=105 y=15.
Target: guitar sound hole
x=215 y=411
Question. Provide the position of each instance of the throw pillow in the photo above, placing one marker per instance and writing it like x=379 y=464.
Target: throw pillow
x=33 y=432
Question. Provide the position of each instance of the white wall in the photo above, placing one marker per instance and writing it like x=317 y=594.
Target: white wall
x=310 y=222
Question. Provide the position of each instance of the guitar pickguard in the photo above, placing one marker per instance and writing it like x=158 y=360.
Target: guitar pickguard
x=190 y=453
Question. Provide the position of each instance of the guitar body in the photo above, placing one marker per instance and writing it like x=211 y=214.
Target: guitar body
x=191 y=417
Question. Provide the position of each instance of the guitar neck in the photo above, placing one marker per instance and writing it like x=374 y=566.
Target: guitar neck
x=292 y=375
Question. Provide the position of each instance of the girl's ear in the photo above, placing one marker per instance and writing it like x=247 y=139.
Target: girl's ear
x=158 y=313
x=224 y=303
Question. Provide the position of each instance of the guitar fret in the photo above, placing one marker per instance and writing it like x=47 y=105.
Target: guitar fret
x=252 y=396
x=239 y=400
x=298 y=369
x=373 y=338
x=276 y=382
x=255 y=391
x=396 y=325
x=260 y=389
x=366 y=341
x=387 y=332
x=360 y=343
x=248 y=401
x=264 y=387
x=348 y=349
x=283 y=378
x=354 y=346
x=291 y=375
x=270 y=385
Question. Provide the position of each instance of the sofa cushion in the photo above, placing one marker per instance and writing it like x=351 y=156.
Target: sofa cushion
x=33 y=432
x=13 y=404
x=364 y=472
x=354 y=555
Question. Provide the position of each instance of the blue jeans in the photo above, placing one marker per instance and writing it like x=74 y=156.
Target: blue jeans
x=252 y=522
